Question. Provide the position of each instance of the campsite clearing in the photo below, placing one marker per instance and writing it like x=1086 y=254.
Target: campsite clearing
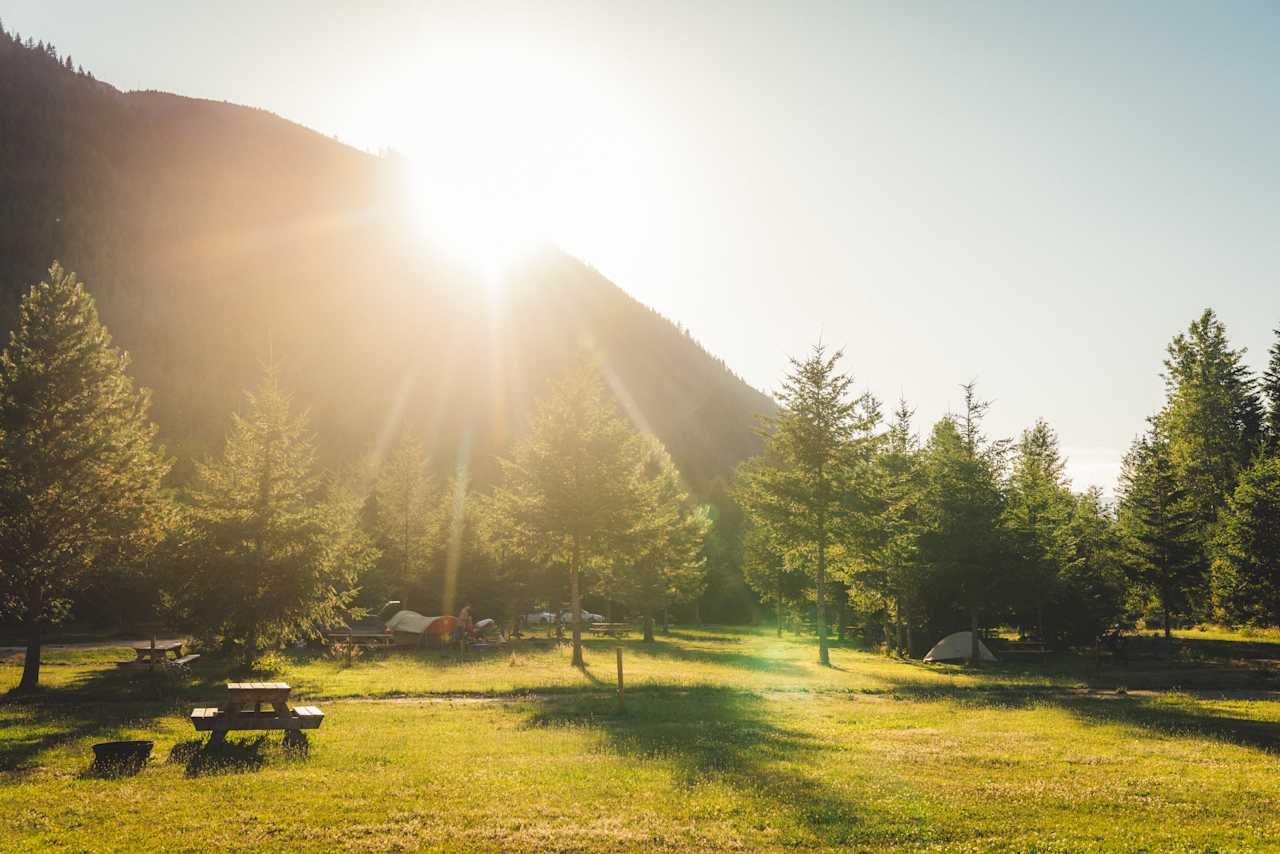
x=732 y=739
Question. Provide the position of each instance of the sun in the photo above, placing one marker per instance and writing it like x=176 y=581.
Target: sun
x=477 y=227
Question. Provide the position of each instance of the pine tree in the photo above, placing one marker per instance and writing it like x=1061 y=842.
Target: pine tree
x=1038 y=505
x=571 y=490
x=962 y=542
x=663 y=563
x=273 y=553
x=1213 y=419
x=804 y=489
x=1246 y=566
x=901 y=489
x=1160 y=526
x=764 y=569
x=407 y=521
x=1271 y=395
x=1090 y=590
x=80 y=473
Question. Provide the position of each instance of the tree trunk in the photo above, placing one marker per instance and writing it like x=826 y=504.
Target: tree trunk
x=576 y=605
x=251 y=646
x=779 y=592
x=974 y=657
x=31 y=664
x=897 y=626
x=648 y=627
x=824 y=656
x=911 y=641
x=697 y=612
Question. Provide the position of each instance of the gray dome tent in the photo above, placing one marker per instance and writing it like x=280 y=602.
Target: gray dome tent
x=956 y=647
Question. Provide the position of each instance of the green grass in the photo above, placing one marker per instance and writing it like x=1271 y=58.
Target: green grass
x=730 y=740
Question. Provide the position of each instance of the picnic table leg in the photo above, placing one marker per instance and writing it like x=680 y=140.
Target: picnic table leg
x=216 y=738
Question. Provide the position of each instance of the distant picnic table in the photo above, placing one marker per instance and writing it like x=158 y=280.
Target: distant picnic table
x=360 y=637
x=153 y=654
x=237 y=714
x=612 y=630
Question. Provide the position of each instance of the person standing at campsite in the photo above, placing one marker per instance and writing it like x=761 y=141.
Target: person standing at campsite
x=464 y=627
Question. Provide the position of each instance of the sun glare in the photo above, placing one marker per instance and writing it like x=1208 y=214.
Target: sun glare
x=513 y=147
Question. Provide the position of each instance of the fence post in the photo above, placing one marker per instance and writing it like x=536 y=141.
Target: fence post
x=621 y=688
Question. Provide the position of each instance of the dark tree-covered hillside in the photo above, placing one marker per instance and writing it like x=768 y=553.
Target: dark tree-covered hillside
x=216 y=238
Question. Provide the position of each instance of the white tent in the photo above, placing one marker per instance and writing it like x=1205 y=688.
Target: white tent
x=956 y=647
x=409 y=623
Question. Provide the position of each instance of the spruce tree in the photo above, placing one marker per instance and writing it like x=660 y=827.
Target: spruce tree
x=274 y=552
x=1213 y=419
x=805 y=488
x=1091 y=590
x=1038 y=504
x=1271 y=396
x=571 y=491
x=1246 y=566
x=900 y=490
x=80 y=473
x=1160 y=526
x=407 y=523
x=663 y=563
x=765 y=570
x=962 y=542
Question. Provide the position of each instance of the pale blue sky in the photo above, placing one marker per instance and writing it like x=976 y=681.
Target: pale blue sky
x=1037 y=196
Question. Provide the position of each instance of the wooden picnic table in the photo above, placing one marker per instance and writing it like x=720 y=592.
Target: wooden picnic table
x=156 y=654
x=368 y=637
x=612 y=630
x=238 y=716
x=148 y=652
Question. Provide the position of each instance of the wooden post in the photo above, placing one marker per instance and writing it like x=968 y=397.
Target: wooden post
x=621 y=688
x=151 y=662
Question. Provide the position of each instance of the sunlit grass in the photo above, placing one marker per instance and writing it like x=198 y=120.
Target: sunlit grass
x=730 y=740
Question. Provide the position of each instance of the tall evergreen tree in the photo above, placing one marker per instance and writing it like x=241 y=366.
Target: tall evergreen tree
x=1246 y=566
x=805 y=488
x=80 y=473
x=962 y=541
x=407 y=507
x=765 y=569
x=1090 y=591
x=1213 y=418
x=663 y=564
x=571 y=490
x=1160 y=525
x=1038 y=504
x=273 y=553
x=1271 y=396
x=900 y=491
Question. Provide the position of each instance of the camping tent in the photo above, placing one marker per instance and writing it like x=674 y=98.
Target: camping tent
x=956 y=647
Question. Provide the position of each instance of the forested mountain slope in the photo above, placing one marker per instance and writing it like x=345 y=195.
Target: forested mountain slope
x=217 y=237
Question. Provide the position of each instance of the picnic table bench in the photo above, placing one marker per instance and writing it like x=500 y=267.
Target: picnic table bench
x=238 y=714
x=612 y=630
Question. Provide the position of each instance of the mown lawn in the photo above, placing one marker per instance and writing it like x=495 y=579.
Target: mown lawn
x=730 y=740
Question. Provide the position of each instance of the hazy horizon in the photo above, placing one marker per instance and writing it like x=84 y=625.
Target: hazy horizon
x=1038 y=198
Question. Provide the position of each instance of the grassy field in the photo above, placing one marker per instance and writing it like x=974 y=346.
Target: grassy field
x=731 y=739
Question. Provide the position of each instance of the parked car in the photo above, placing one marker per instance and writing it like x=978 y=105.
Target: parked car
x=539 y=618
x=587 y=617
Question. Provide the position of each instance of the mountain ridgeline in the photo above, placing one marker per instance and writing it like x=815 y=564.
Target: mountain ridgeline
x=216 y=238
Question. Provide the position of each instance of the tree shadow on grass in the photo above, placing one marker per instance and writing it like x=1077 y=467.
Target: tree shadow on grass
x=723 y=658
x=714 y=735
x=100 y=704
x=32 y=728
x=1155 y=714
x=233 y=756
